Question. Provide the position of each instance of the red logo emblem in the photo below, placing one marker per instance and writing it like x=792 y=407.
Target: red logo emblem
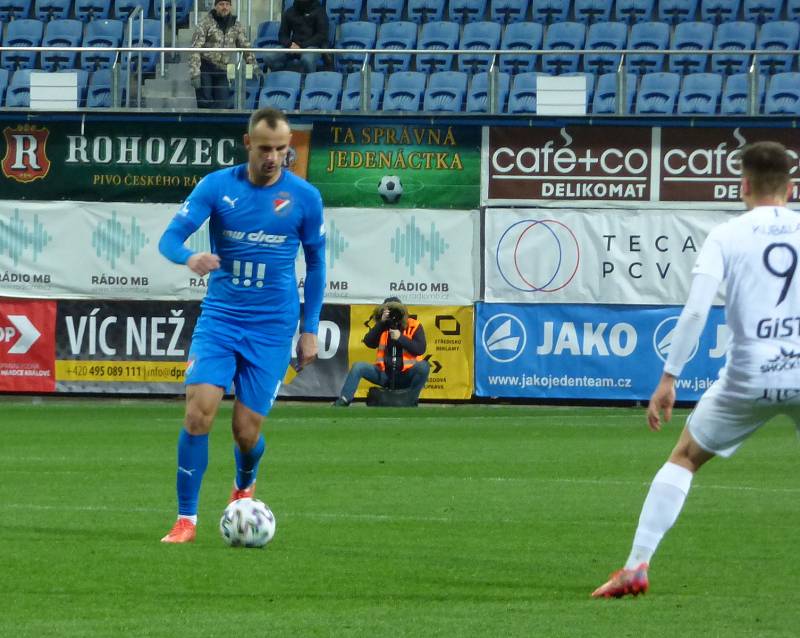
x=26 y=153
x=282 y=205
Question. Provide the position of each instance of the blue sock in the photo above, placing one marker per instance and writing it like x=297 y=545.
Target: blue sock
x=192 y=464
x=247 y=463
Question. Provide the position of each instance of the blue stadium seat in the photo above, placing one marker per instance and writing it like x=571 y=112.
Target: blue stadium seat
x=733 y=36
x=252 y=91
x=3 y=85
x=735 y=95
x=475 y=37
x=341 y=11
x=605 y=94
x=691 y=36
x=658 y=93
x=152 y=38
x=385 y=11
x=677 y=11
x=65 y=33
x=508 y=11
x=592 y=11
x=266 y=38
x=466 y=11
x=609 y=36
x=522 y=96
x=182 y=10
x=478 y=94
x=52 y=9
x=424 y=11
x=23 y=32
x=351 y=95
x=88 y=10
x=354 y=35
x=793 y=10
x=436 y=36
x=550 y=11
x=395 y=36
x=634 y=11
x=761 y=11
x=446 y=92
x=700 y=94
x=15 y=9
x=101 y=33
x=98 y=93
x=123 y=8
x=322 y=91
x=783 y=95
x=280 y=90
x=647 y=36
x=18 y=93
x=562 y=37
x=777 y=36
x=719 y=11
x=520 y=36
x=404 y=91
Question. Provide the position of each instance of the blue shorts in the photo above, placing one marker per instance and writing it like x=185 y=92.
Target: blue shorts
x=222 y=354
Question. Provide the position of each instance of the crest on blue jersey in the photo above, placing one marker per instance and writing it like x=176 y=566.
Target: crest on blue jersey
x=282 y=204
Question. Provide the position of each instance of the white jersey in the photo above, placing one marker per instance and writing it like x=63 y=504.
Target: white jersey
x=757 y=255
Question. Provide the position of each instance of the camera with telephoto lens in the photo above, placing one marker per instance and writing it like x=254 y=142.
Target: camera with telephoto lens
x=395 y=319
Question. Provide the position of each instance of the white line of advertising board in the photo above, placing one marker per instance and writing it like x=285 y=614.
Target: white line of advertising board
x=80 y=250
x=593 y=256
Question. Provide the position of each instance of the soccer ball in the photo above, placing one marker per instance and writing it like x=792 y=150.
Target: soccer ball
x=247 y=522
x=390 y=188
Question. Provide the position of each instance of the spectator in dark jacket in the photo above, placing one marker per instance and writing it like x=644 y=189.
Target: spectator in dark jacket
x=304 y=25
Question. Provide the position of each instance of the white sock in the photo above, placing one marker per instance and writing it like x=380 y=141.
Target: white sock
x=660 y=511
x=192 y=518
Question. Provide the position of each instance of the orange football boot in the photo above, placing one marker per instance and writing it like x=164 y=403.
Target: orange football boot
x=624 y=582
x=246 y=492
x=183 y=531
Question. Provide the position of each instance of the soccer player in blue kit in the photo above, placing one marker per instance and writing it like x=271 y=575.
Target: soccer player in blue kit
x=260 y=214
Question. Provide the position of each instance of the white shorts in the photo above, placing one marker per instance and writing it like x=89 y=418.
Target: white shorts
x=724 y=418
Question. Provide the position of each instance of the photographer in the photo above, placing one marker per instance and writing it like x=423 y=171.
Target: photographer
x=400 y=343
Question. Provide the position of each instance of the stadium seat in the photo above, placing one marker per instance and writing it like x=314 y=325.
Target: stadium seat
x=404 y=91
x=634 y=11
x=46 y=10
x=321 y=91
x=508 y=11
x=266 y=38
x=445 y=92
x=777 y=36
x=123 y=8
x=384 y=11
x=436 y=36
x=101 y=33
x=354 y=35
x=592 y=11
x=646 y=36
x=562 y=37
x=658 y=93
x=520 y=36
x=475 y=37
x=677 y=11
x=793 y=10
x=691 y=36
x=735 y=95
x=395 y=36
x=152 y=38
x=783 y=95
x=466 y=11
x=280 y=90
x=11 y=10
x=66 y=33
x=424 y=11
x=733 y=36
x=88 y=10
x=605 y=94
x=700 y=94
x=23 y=32
x=83 y=83
x=3 y=85
x=18 y=93
x=98 y=93
x=182 y=10
x=550 y=11
x=252 y=91
x=341 y=11
x=522 y=96
x=719 y=11
x=351 y=94
x=608 y=36
x=478 y=94
x=761 y=11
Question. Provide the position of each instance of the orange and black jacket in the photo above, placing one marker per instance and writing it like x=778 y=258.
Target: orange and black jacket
x=400 y=354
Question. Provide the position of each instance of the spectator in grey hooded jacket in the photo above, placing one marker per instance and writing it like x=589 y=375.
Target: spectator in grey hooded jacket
x=304 y=25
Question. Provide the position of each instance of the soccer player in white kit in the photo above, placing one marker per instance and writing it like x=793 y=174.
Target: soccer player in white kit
x=756 y=255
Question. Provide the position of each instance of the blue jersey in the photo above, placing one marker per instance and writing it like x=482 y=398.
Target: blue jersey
x=256 y=231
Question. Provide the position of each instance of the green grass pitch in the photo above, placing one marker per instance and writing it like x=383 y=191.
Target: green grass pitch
x=439 y=521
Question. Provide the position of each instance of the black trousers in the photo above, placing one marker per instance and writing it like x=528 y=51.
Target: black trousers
x=214 y=91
